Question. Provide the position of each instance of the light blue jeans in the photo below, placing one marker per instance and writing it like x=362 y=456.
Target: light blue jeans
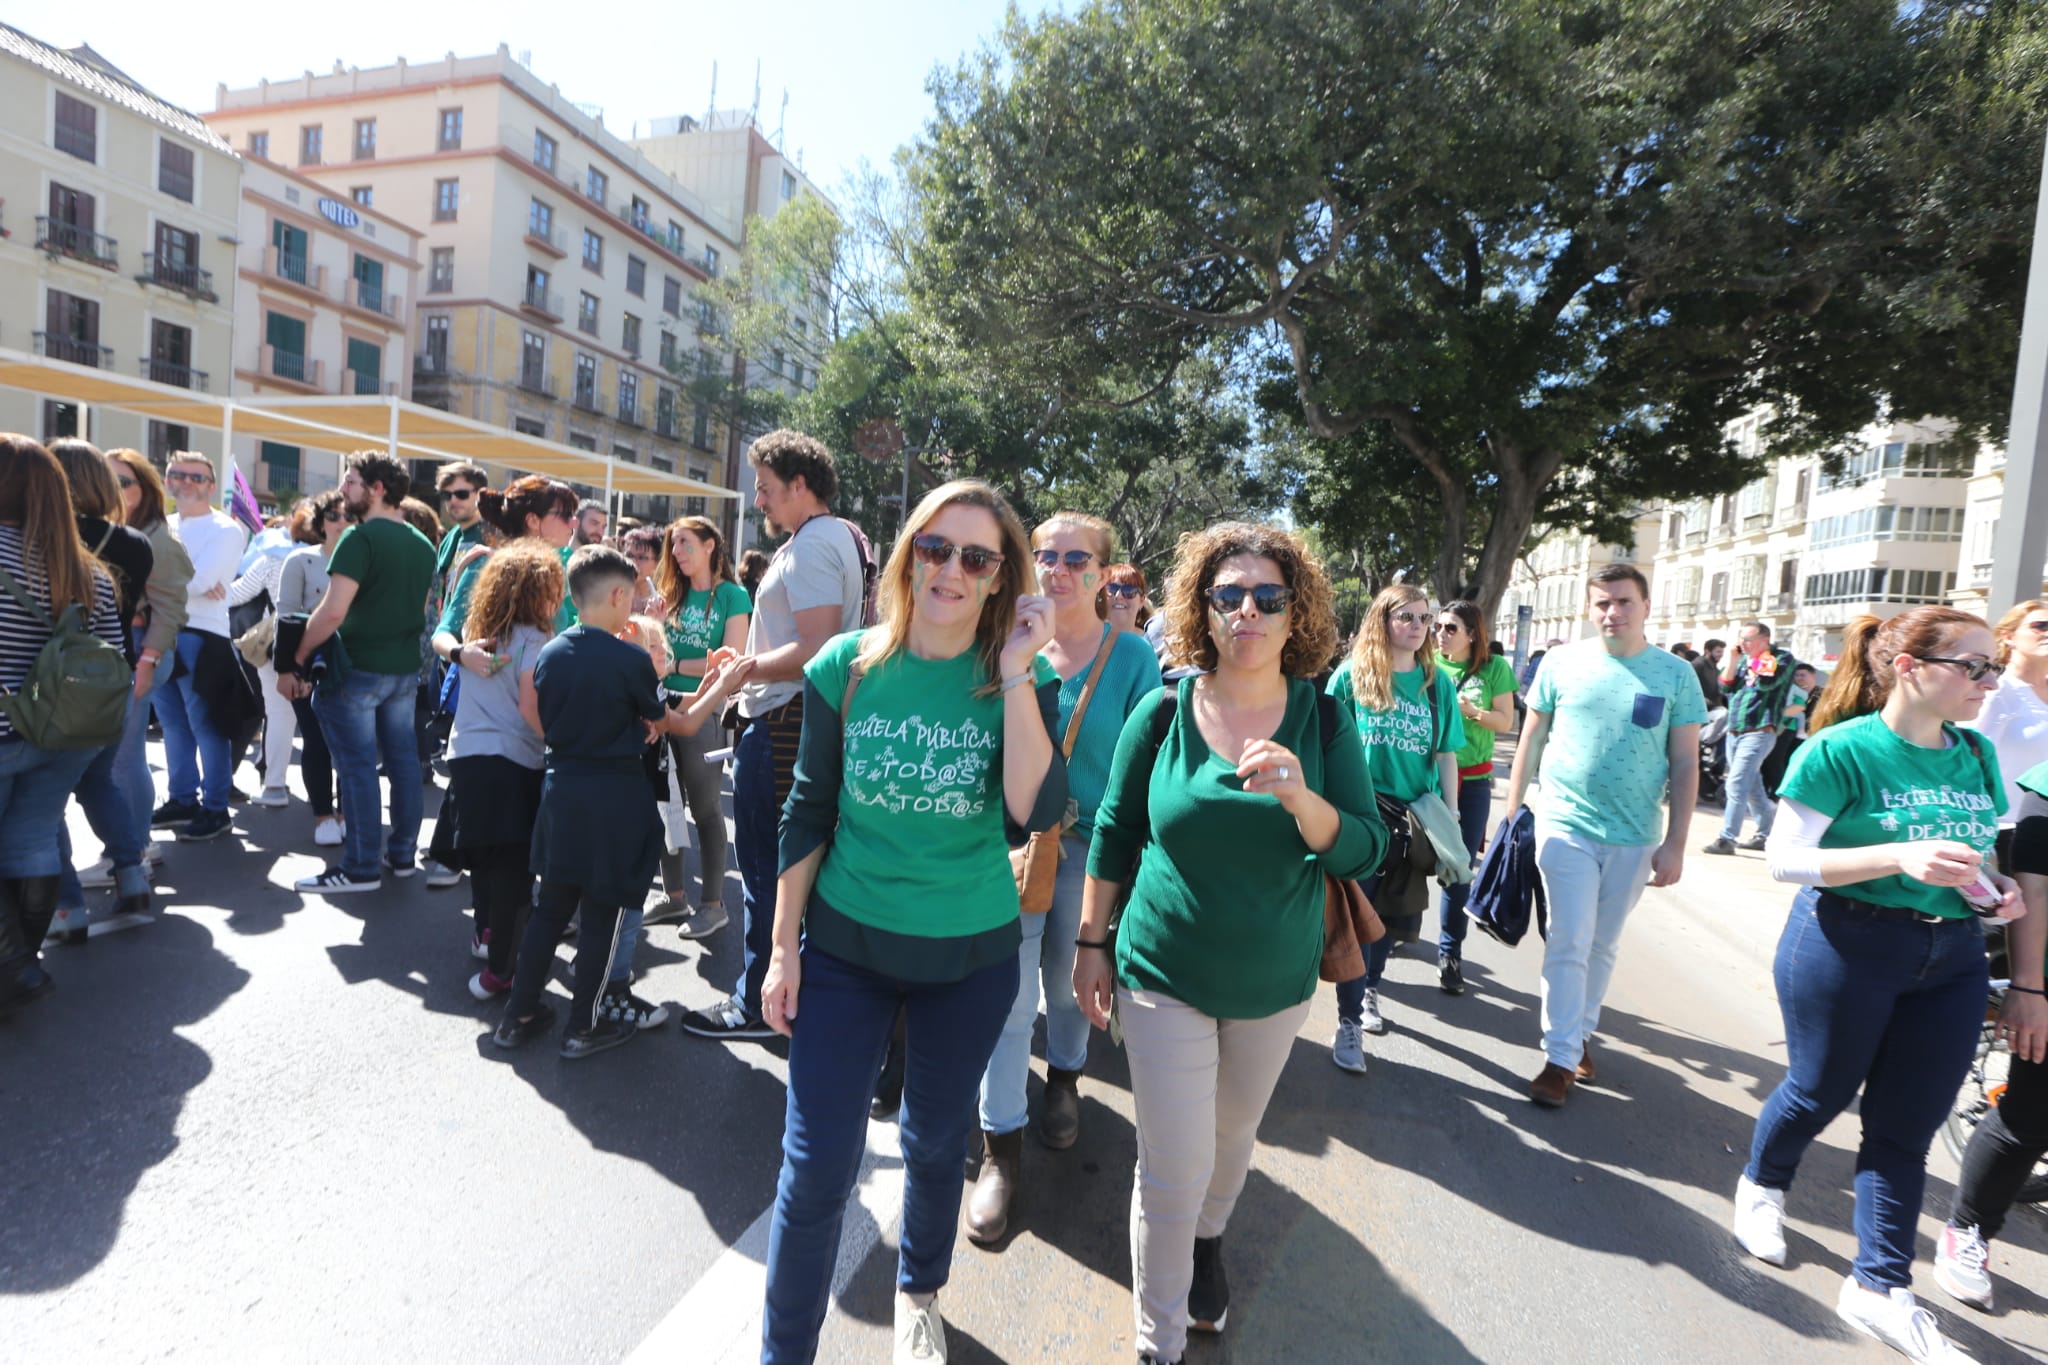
x=197 y=753
x=1746 y=794
x=366 y=716
x=1590 y=888
x=35 y=786
x=1047 y=955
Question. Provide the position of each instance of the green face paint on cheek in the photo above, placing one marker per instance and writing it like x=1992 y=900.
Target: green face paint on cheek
x=1089 y=580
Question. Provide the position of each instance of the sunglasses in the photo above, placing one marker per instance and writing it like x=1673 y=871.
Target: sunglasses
x=1409 y=618
x=1448 y=627
x=1976 y=670
x=335 y=515
x=1052 y=559
x=184 y=476
x=459 y=494
x=125 y=482
x=1121 y=589
x=936 y=551
x=1270 y=598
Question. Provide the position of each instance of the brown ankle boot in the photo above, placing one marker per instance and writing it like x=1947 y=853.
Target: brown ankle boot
x=988 y=1207
x=1059 y=1122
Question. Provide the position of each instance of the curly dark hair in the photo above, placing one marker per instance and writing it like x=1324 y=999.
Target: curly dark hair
x=1311 y=619
x=535 y=495
x=790 y=454
x=374 y=466
x=310 y=514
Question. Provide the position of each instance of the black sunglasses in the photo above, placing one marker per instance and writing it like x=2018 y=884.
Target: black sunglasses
x=1052 y=559
x=459 y=494
x=977 y=561
x=1448 y=627
x=1973 y=669
x=332 y=514
x=125 y=481
x=1270 y=598
x=1122 y=589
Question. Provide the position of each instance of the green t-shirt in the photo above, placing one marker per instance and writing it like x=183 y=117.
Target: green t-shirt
x=920 y=848
x=1402 y=742
x=1480 y=688
x=698 y=626
x=393 y=568
x=1880 y=789
x=1226 y=908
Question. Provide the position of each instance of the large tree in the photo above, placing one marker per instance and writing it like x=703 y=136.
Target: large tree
x=1531 y=257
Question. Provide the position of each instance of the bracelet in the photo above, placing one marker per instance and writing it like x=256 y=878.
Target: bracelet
x=1023 y=677
x=1104 y=943
x=151 y=656
x=2027 y=990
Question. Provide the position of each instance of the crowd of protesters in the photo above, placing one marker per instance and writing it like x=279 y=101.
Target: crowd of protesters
x=989 y=777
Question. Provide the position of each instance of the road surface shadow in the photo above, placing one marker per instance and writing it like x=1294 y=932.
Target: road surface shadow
x=92 y=1083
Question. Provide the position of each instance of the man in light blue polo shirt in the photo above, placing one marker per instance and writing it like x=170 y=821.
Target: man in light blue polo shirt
x=1612 y=725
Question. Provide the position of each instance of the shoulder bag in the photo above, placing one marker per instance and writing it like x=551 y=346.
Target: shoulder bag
x=1036 y=865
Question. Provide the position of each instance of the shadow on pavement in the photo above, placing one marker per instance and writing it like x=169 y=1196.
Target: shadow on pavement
x=92 y=1083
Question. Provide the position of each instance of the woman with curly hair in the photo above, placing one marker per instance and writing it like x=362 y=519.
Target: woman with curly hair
x=1244 y=789
x=496 y=756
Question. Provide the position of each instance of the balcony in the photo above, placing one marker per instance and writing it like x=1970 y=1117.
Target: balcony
x=291 y=367
x=1756 y=521
x=1782 y=602
x=1748 y=605
x=359 y=382
x=291 y=268
x=370 y=298
x=430 y=362
x=57 y=346
x=80 y=244
x=177 y=376
x=536 y=381
x=584 y=400
x=539 y=300
x=629 y=413
x=182 y=276
x=545 y=239
x=667 y=427
x=1695 y=539
x=1689 y=606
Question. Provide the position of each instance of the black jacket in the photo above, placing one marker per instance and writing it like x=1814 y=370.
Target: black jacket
x=129 y=558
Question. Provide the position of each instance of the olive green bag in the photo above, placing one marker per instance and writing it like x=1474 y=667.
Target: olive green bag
x=76 y=693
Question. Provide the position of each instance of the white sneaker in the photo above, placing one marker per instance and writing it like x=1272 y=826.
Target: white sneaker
x=920 y=1334
x=329 y=832
x=1962 y=1266
x=1898 y=1321
x=153 y=856
x=440 y=877
x=274 y=797
x=1347 y=1049
x=99 y=876
x=1373 y=1022
x=1760 y=1221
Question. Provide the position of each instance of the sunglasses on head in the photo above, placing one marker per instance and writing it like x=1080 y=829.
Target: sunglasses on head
x=1052 y=559
x=1121 y=589
x=977 y=561
x=1974 y=669
x=1270 y=598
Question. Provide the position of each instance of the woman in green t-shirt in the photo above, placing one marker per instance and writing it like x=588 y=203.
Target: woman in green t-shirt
x=1885 y=818
x=707 y=610
x=1241 y=789
x=1486 y=704
x=1406 y=711
x=927 y=751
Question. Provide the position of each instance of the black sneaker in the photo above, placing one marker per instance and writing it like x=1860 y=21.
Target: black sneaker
x=1756 y=843
x=174 y=815
x=621 y=1003
x=1722 y=845
x=1450 y=974
x=605 y=1034
x=1209 y=1295
x=400 y=870
x=726 y=1019
x=704 y=921
x=515 y=1032
x=336 y=882
x=208 y=824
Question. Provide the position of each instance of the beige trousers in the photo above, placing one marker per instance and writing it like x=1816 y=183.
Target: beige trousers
x=1200 y=1086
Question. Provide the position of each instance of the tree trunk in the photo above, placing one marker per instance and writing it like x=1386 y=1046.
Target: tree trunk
x=1523 y=477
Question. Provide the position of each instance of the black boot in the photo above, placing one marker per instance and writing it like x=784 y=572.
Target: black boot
x=22 y=977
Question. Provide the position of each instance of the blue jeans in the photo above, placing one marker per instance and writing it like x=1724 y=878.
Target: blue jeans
x=1351 y=994
x=35 y=786
x=758 y=792
x=629 y=937
x=1475 y=804
x=105 y=793
x=193 y=744
x=1894 y=1010
x=1047 y=954
x=1591 y=887
x=364 y=716
x=1746 y=794
x=845 y=1016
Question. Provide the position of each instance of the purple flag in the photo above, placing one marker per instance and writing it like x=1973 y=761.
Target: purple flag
x=242 y=503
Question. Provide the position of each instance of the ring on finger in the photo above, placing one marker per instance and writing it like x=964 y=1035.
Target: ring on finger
x=1283 y=772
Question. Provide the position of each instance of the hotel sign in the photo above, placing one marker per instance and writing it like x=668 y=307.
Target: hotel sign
x=338 y=213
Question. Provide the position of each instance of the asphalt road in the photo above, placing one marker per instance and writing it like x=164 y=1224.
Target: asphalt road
x=273 y=1127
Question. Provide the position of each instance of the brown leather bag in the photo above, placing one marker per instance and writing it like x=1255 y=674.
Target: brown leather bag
x=1036 y=865
x=1349 y=924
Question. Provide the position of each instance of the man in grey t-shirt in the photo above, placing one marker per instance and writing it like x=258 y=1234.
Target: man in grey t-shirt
x=813 y=590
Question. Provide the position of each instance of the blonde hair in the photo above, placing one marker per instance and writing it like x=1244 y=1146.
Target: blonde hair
x=1311 y=617
x=1104 y=536
x=1372 y=653
x=650 y=635
x=896 y=598
x=2009 y=624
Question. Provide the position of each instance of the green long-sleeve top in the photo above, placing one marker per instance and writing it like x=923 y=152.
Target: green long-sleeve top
x=1226 y=910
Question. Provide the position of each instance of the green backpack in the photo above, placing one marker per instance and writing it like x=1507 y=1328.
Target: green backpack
x=77 y=691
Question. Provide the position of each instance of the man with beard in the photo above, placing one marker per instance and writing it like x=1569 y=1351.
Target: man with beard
x=591 y=520
x=378 y=580
x=813 y=590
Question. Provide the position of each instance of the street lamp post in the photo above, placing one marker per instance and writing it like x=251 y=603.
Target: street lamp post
x=2020 y=548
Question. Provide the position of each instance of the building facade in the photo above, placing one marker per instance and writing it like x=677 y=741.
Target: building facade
x=117 y=223
x=325 y=292
x=1551 y=581
x=561 y=267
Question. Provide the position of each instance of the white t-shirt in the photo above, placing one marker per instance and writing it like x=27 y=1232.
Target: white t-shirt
x=214 y=541
x=819 y=566
x=2015 y=720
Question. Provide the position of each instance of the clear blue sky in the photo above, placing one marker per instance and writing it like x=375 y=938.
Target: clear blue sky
x=855 y=74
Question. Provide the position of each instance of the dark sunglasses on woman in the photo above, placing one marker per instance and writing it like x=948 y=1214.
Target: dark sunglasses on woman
x=1052 y=559
x=1973 y=669
x=975 y=560
x=1270 y=598
x=1121 y=589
